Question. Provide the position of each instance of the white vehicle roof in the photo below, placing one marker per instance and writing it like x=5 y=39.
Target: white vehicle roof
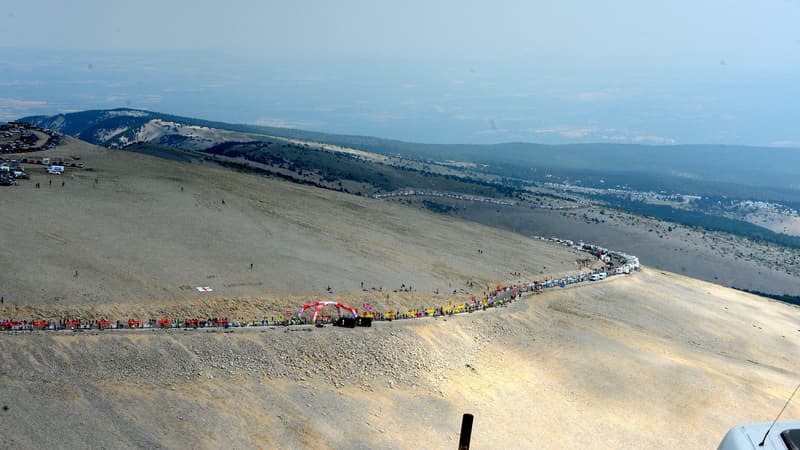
x=748 y=436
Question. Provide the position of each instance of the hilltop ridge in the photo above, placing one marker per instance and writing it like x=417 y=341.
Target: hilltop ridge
x=698 y=166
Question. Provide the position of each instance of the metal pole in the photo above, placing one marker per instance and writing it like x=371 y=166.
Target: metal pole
x=466 y=432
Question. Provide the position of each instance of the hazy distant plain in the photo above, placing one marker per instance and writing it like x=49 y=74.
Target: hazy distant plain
x=420 y=99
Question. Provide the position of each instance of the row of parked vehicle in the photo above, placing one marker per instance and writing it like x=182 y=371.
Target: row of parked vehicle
x=26 y=139
x=584 y=276
x=11 y=171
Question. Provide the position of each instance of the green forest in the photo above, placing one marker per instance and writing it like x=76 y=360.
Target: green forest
x=333 y=167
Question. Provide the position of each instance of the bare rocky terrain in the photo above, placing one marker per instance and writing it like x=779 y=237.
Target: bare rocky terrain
x=648 y=360
x=651 y=360
x=142 y=232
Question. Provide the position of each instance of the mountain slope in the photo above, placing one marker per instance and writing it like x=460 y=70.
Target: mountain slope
x=120 y=127
x=778 y=168
x=147 y=231
x=297 y=157
x=655 y=360
x=650 y=360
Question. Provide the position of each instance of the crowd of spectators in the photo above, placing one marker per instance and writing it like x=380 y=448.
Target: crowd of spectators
x=613 y=263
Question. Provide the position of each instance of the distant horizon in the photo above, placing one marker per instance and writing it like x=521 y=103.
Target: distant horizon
x=409 y=141
x=623 y=71
x=471 y=101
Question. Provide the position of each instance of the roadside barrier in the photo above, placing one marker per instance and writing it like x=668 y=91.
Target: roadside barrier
x=501 y=296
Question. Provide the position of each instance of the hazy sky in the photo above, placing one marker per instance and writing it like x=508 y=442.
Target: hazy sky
x=627 y=71
x=739 y=30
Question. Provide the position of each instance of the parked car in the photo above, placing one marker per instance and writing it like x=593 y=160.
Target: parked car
x=7 y=180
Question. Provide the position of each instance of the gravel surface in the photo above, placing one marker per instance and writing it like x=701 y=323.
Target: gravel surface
x=651 y=360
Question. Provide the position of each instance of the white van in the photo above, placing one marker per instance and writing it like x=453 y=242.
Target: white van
x=55 y=170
